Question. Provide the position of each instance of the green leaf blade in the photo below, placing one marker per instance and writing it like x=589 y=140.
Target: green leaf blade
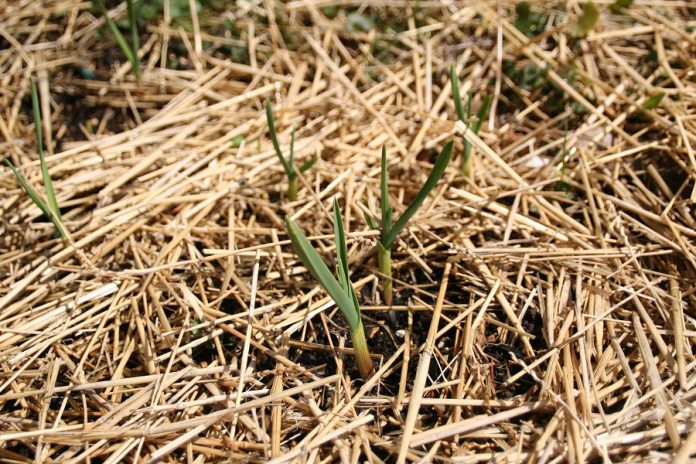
x=482 y=114
x=653 y=101
x=308 y=164
x=38 y=201
x=130 y=56
x=435 y=175
x=371 y=223
x=384 y=193
x=135 y=37
x=456 y=96
x=274 y=139
x=48 y=183
x=341 y=247
x=320 y=271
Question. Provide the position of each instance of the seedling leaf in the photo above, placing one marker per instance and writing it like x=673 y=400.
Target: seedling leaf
x=308 y=164
x=38 y=201
x=130 y=55
x=341 y=248
x=370 y=220
x=456 y=95
x=482 y=114
x=653 y=101
x=289 y=170
x=320 y=271
x=135 y=37
x=435 y=175
x=291 y=158
x=384 y=191
x=48 y=184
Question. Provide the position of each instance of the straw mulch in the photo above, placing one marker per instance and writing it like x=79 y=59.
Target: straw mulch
x=544 y=308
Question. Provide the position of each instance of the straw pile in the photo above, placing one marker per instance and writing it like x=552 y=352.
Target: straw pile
x=544 y=308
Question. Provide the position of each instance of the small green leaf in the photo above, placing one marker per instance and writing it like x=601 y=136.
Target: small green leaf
x=38 y=201
x=482 y=114
x=130 y=55
x=372 y=224
x=384 y=191
x=456 y=96
x=320 y=271
x=653 y=101
x=308 y=164
x=289 y=170
x=587 y=21
x=135 y=36
x=237 y=141
x=430 y=183
x=48 y=184
x=341 y=247
x=291 y=158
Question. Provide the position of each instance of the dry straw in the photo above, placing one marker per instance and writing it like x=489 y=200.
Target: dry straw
x=532 y=323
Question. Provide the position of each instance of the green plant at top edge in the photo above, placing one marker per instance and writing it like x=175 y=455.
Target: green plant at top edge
x=341 y=290
x=390 y=231
x=465 y=117
x=49 y=207
x=288 y=164
x=130 y=50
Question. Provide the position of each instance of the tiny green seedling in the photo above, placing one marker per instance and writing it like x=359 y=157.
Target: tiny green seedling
x=389 y=232
x=466 y=119
x=130 y=50
x=341 y=291
x=50 y=207
x=289 y=164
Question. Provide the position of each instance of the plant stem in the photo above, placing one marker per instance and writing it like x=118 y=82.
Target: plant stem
x=292 y=189
x=466 y=160
x=384 y=261
x=362 y=353
x=131 y=55
x=135 y=37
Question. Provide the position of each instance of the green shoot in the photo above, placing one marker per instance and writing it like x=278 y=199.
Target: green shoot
x=475 y=127
x=48 y=185
x=131 y=51
x=49 y=208
x=390 y=231
x=341 y=291
x=33 y=194
x=135 y=36
x=289 y=164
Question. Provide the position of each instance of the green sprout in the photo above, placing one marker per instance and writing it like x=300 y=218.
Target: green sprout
x=390 y=231
x=130 y=50
x=49 y=208
x=466 y=119
x=341 y=290
x=289 y=164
